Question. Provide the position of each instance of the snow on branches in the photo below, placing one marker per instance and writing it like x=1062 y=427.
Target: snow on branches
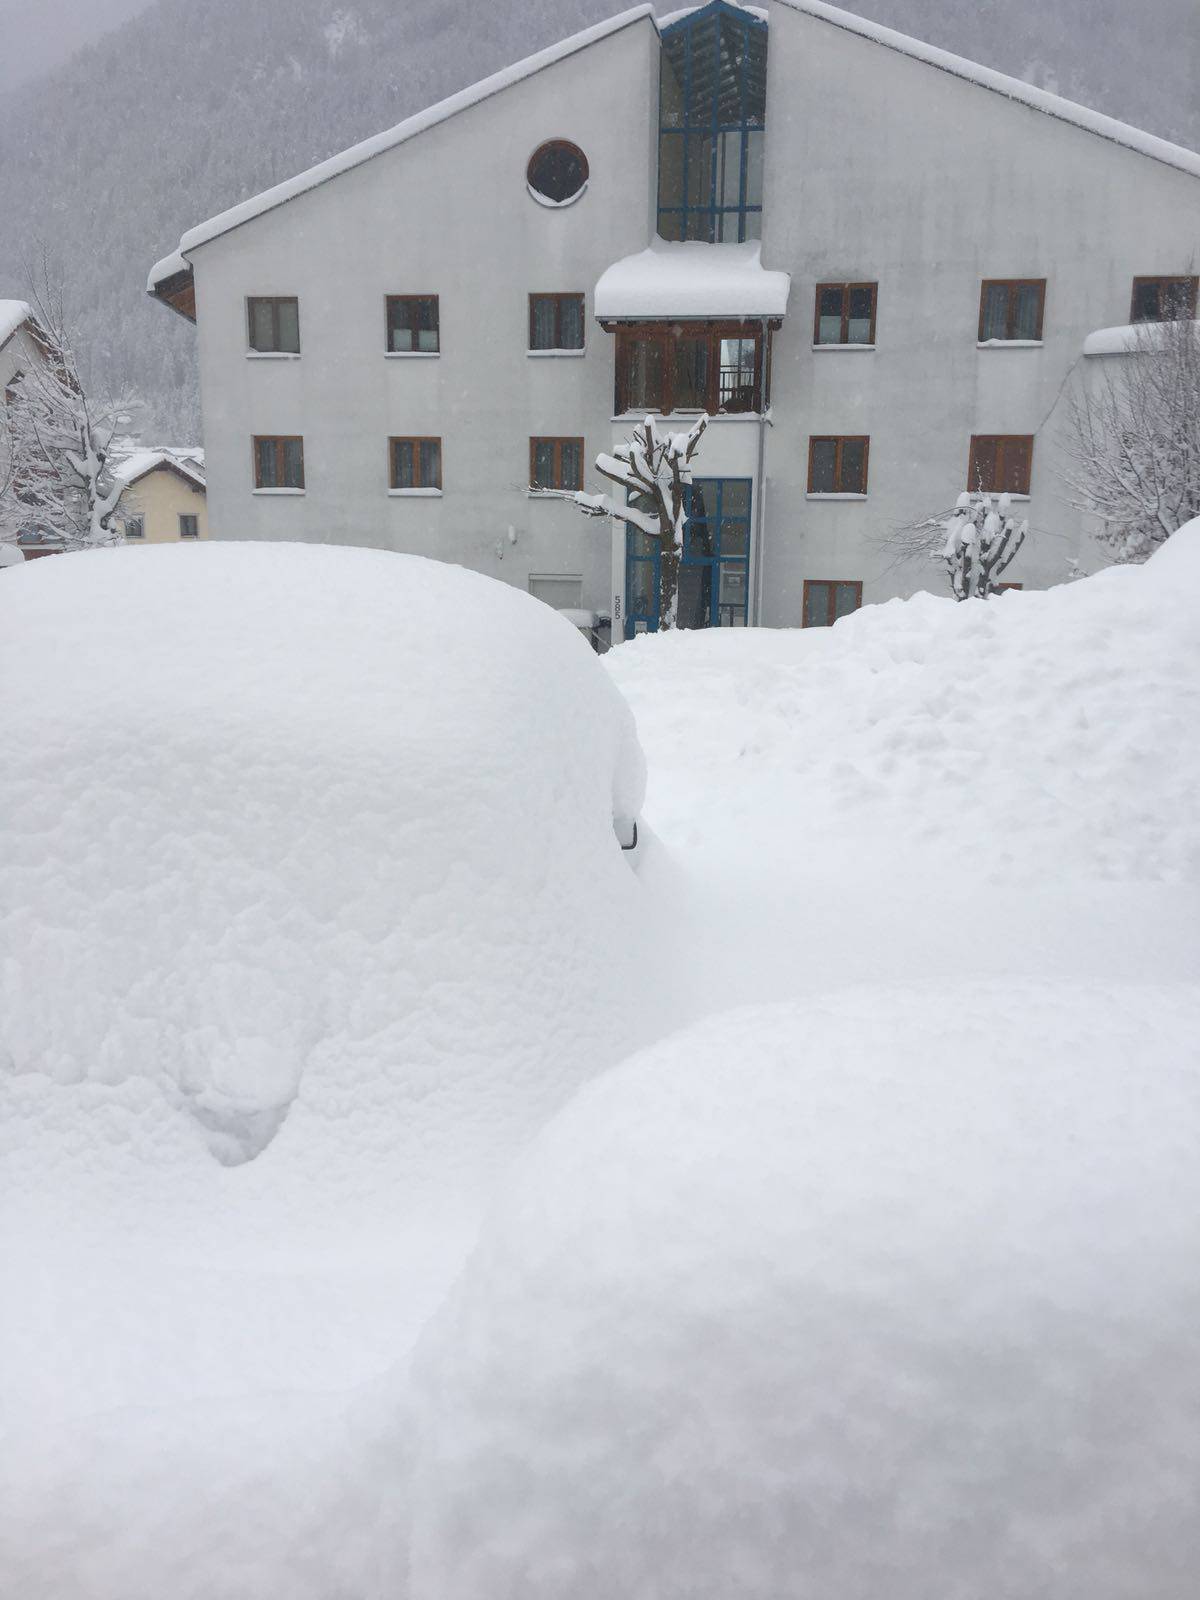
x=1134 y=447
x=982 y=538
x=654 y=469
x=55 y=443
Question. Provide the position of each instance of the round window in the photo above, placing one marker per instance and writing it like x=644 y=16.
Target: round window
x=557 y=172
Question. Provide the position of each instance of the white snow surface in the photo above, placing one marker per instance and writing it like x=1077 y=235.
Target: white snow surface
x=692 y=279
x=169 y=267
x=894 y=1248
x=1147 y=144
x=13 y=313
x=1124 y=340
x=892 y=1292
x=306 y=922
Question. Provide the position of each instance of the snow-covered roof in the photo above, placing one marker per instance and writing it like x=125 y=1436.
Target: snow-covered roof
x=169 y=267
x=1125 y=340
x=186 y=460
x=692 y=280
x=13 y=313
x=390 y=138
x=1147 y=144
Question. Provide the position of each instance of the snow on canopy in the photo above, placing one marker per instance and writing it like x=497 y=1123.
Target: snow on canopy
x=1125 y=340
x=13 y=314
x=890 y=1291
x=1146 y=144
x=692 y=279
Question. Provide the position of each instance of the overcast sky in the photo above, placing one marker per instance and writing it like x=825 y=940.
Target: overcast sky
x=36 y=35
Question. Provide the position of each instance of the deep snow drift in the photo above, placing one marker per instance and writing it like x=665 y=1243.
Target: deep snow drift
x=245 y=872
x=890 y=1293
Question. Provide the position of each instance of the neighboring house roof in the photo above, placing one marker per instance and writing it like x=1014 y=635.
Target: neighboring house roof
x=1146 y=144
x=172 y=265
x=14 y=314
x=187 y=462
x=691 y=280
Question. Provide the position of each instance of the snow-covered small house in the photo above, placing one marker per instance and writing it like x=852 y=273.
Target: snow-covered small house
x=873 y=263
x=164 y=495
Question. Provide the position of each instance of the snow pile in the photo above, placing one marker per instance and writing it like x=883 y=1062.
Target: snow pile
x=692 y=279
x=1035 y=737
x=311 y=910
x=890 y=1293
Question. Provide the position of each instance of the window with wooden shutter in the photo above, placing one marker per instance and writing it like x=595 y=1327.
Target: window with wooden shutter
x=274 y=324
x=556 y=463
x=845 y=313
x=826 y=600
x=413 y=325
x=1000 y=463
x=278 y=461
x=1163 y=299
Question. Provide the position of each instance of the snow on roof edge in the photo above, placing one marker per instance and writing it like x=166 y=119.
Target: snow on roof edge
x=1127 y=338
x=168 y=267
x=138 y=463
x=13 y=315
x=1123 y=133
x=378 y=143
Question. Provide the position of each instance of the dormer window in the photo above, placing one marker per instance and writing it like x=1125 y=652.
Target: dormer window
x=712 y=122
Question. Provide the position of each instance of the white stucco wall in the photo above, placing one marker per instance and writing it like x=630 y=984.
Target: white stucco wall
x=882 y=168
x=446 y=213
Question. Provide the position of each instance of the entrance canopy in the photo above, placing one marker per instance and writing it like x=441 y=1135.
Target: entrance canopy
x=683 y=281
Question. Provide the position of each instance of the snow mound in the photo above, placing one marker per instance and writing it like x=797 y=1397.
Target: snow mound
x=314 y=834
x=1038 y=736
x=889 y=1292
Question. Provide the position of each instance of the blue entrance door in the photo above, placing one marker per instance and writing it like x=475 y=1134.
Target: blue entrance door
x=714 y=574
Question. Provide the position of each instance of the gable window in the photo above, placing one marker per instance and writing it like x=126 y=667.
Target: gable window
x=135 y=527
x=1010 y=309
x=825 y=601
x=556 y=463
x=557 y=172
x=845 y=313
x=1001 y=463
x=556 y=322
x=189 y=525
x=415 y=463
x=837 y=464
x=712 y=124
x=278 y=461
x=696 y=366
x=274 y=324
x=1163 y=299
x=413 y=325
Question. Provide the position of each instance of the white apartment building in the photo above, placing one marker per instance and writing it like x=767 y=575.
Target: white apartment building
x=874 y=264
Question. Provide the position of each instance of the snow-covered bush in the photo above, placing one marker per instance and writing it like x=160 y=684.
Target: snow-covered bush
x=869 y=1294
x=1134 y=445
x=653 y=470
x=982 y=538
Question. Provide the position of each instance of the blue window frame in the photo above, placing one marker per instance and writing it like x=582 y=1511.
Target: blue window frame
x=714 y=573
x=712 y=124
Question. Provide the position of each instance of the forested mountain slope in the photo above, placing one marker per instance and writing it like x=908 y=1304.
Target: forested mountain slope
x=187 y=109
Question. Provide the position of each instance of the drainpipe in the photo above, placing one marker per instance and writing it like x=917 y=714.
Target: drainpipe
x=759 y=483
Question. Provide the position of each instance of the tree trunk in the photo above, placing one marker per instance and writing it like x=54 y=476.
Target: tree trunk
x=668 y=610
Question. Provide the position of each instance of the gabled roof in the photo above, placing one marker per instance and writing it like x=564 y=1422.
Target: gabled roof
x=1146 y=144
x=187 y=463
x=174 y=265
x=691 y=280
